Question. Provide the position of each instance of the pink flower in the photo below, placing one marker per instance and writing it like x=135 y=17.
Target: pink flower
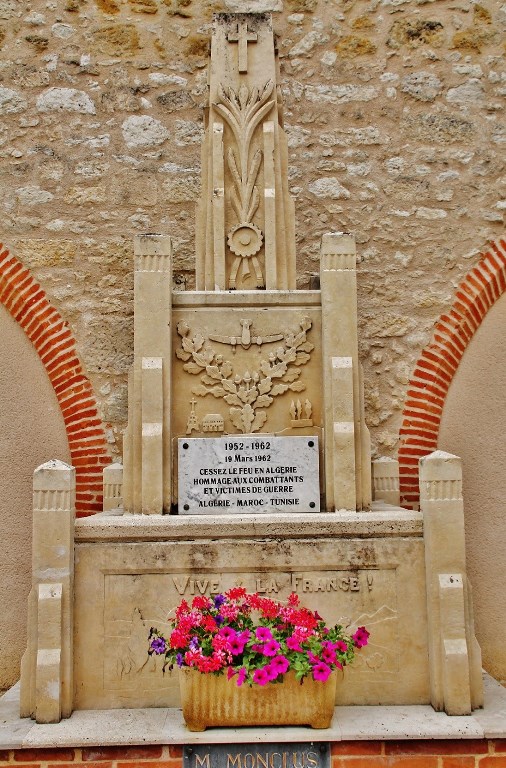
x=329 y=656
x=280 y=664
x=341 y=646
x=261 y=676
x=236 y=646
x=321 y=671
x=230 y=673
x=360 y=637
x=228 y=633
x=241 y=677
x=293 y=644
x=271 y=648
x=263 y=634
x=270 y=672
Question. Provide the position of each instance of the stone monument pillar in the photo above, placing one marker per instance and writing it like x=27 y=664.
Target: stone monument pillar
x=245 y=229
x=147 y=443
x=454 y=653
x=47 y=664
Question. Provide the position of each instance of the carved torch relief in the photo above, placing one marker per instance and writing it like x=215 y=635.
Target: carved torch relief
x=243 y=111
x=248 y=392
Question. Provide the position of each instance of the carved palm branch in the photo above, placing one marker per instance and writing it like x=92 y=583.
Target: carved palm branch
x=243 y=111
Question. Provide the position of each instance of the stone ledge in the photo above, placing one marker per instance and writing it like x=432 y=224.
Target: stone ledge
x=166 y=726
x=384 y=520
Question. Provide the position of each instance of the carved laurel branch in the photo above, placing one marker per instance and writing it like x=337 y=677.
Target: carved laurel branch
x=250 y=392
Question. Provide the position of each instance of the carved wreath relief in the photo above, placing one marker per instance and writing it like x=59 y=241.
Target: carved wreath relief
x=248 y=394
x=243 y=110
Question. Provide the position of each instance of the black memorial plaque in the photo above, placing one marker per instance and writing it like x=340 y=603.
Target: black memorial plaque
x=310 y=754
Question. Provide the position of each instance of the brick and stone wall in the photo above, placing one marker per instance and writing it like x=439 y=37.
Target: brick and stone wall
x=394 y=112
x=467 y=753
x=395 y=116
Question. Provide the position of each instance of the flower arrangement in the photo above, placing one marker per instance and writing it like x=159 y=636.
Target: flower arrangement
x=220 y=634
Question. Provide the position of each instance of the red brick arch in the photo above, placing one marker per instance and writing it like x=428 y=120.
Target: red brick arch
x=436 y=366
x=26 y=301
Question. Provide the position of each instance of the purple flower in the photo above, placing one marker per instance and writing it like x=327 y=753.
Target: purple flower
x=179 y=660
x=263 y=634
x=219 y=600
x=219 y=619
x=321 y=671
x=261 y=676
x=194 y=643
x=158 y=645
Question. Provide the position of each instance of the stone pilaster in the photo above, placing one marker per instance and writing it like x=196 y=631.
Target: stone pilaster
x=338 y=283
x=113 y=487
x=47 y=665
x=454 y=654
x=147 y=477
x=385 y=478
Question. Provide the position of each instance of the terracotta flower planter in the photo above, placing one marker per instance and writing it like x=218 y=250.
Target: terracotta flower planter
x=212 y=700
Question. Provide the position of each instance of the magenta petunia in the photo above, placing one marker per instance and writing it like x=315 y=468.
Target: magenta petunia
x=236 y=646
x=270 y=671
x=263 y=634
x=261 y=676
x=329 y=656
x=280 y=664
x=293 y=644
x=360 y=637
x=321 y=671
x=271 y=648
x=241 y=677
x=227 y=632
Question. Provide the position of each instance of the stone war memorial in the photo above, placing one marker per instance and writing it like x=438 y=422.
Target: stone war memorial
x=247 y=458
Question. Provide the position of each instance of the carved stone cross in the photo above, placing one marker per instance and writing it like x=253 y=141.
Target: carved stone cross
x=242 y=37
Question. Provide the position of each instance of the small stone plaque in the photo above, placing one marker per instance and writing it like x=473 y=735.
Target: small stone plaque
x=260 y=474
x=311 y=754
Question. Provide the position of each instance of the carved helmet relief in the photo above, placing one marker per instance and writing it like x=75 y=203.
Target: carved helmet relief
x=248 y=393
